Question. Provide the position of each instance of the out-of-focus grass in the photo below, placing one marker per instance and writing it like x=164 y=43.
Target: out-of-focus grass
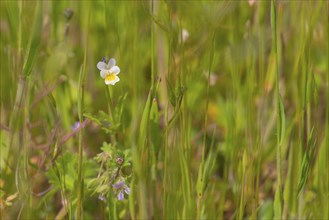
x=200 y=115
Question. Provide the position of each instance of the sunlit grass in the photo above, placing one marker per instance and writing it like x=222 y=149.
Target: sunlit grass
x=221 y=111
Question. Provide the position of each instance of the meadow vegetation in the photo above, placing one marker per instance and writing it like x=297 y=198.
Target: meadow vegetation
x=221 y=111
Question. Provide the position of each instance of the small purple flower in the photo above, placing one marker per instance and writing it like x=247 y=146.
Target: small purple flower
x=121 y=196
x=75 y=126
x=127 y=190
x=118 y=185
x=101 y=197
x=121 y=188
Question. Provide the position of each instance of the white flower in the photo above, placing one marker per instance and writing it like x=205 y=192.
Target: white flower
x=109 y=71
x=184 y=36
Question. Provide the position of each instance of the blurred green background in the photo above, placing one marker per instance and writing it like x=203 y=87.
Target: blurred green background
x=196 y=112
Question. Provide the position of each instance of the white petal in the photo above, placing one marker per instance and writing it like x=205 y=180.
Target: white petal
x=101 y=65
x=117 y=79
x=103 y=73
x=115 y=70
x=112 y=82
x=111 y=63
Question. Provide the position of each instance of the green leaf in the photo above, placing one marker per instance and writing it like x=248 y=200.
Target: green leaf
x=63 y=173
x=306 y=163
x=144 y=122
x=35 y=39
x=155 y=130
x=180 y=91
x=266 y=210
x=277 y=204
x=104 y=121
x=13 y=18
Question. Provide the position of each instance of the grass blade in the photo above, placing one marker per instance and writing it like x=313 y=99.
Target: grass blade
x=35 y=39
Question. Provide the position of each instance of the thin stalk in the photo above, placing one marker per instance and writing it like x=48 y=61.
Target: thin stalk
x=326 y=180
x=80 y=112
x=277 y=94
x=260 y=115
x=153 y=89
x=20 y=87
x=112 y=207
x=243 y=170
x=222 y=192
x=201 y=172
x=152 y=44
x=110 y=109
x=165 y=197
x=26 y=143
x=15 y=116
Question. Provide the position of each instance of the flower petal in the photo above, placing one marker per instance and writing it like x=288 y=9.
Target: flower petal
x=121 y=196
x=127 y=190
x=101 y=197
x=112 y=82
x=75 y=126
x=118 y=184
x=101 y=65
x=115 y=70
x=111 y=63
x=117 y=79
x=103 y=73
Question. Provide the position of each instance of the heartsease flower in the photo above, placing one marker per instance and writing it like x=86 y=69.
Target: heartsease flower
x=109 y=71
x=121 y=187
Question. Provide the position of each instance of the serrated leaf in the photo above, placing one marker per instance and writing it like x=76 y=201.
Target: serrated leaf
x=107 y=148
x=64 y=168
x=104 y=121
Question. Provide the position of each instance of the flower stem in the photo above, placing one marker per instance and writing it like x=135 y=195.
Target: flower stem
x=110 y=110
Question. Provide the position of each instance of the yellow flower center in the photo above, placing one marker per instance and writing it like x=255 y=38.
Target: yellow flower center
x=110 y=77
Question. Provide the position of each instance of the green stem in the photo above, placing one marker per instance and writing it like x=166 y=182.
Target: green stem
x=26 y=142
x=110 y=110
x=277 y=92
x=326 y=179
x=166 y=137
x=152 y=44
x=112 y=206
x=82 y=82
x=201 y=171
x=19 y=91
